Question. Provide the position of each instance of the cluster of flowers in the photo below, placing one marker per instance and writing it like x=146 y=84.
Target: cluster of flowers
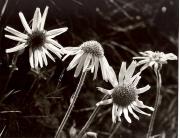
x=89 y=56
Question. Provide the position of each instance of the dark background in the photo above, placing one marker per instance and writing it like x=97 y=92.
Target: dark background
x=33 y=106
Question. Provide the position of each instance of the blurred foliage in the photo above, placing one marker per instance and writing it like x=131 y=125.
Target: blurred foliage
x=33 y=104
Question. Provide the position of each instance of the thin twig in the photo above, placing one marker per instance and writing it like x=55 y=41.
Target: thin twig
x=75 y=96
x=157 y=103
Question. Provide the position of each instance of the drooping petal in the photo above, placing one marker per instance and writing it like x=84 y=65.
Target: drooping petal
x=48 y=54
x=87 y=61
x=75 y=61
x=114 y=113
x=16 y=48
x=54 y=50
x=55 y=32
x=43 y=56
x=125 y=111
x=31 y=57
x=131 y=111
x=36 y=59
x=24 y=23
x=40 y=58
x=103 y=70
x=15 y=32
x=80 y=65
x=96 y=66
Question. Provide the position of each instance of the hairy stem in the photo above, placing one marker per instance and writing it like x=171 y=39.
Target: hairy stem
x=75 y=96
x=91 y=118
x=157 y=103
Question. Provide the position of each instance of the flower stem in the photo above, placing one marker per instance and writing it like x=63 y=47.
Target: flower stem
x=75 y=96
x=157 y=102
x=91 y=118
x=115 y=130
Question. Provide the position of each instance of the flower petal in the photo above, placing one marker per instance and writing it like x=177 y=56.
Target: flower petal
x=104 y=102
x=105 y=91
x=15 y=32
x=43 y=19
x=75 y=61
x=96 y=66
x=16 y=48
x=55 y=32
x=143 y=89
x=131 y=111
x=24 y=23
x=125 y=111
x=15 y=38
x=122 y=73
x=36 y=19
x=31 y=57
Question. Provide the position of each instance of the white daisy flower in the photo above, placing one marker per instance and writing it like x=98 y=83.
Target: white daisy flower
x=89 y=55
x=124 y=95
x=37 y=39
x=154 y=59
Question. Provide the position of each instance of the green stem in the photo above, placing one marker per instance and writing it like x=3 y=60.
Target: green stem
x=75 y=96
x=91 y=118
x=157 y=103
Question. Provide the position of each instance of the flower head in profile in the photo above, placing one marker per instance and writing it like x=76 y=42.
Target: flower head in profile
x=154 y=59
x=89 y=55
x=37 y=39
x=124 y=95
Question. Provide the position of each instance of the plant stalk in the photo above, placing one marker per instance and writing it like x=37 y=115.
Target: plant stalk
x=91 y=118
x=157 y=102
x=75 y=96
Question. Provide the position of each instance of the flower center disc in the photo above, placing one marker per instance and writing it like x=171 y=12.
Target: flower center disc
x=36 y=39
x=93 y=47
x=123 y=95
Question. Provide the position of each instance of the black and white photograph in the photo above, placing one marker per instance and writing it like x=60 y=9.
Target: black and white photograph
x=89 y=68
